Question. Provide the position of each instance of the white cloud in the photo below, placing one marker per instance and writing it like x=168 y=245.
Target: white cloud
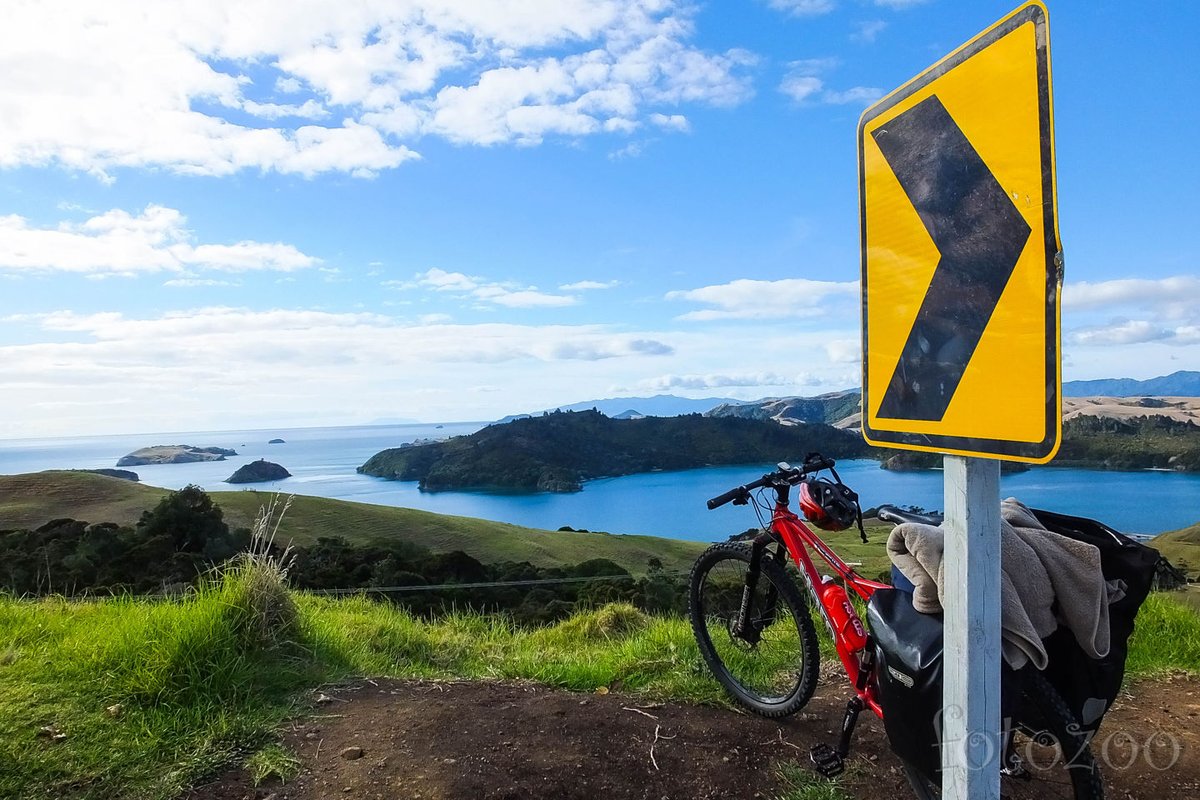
x=675 y=122
x=288 y=85
x=208 y=368
x=97 y=87
x=665 y=383
x=204 y=337
x=1128 y=332
x=1163 y=292
x=1186 y=335
x=120 y=243
x=844 y=351
x=801 y=87
x=196 y=282
x=813 y=66
x=631 y=150
x=803 y=83
x=858 y=95
x=802 y=8
x=755 y=299
x=195 y=368
x=309 y=109
x=522 y=298
x=868 y=31
x=585 y=286
x=446 y=281
x=507 y=295
x=1136 y=331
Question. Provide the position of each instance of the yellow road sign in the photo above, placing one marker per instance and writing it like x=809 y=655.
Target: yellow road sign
x=961 y=262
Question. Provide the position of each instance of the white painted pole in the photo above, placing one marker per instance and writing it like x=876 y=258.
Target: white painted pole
x=971 y=754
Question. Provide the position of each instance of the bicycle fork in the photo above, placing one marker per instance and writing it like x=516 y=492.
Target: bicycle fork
x=744 y=626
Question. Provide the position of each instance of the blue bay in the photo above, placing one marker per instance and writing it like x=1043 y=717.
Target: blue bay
x=323 y=461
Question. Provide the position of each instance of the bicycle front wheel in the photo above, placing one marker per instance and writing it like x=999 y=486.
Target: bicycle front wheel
x=769 y=663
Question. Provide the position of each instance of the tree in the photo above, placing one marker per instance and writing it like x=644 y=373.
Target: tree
x=188 y=517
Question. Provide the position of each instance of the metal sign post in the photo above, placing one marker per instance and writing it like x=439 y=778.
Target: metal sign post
x=971 y=694
x=961 y=279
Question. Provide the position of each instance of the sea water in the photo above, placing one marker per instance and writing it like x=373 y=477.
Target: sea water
x=323 y=462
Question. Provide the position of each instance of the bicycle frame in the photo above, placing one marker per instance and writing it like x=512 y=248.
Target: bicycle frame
x=797 y=537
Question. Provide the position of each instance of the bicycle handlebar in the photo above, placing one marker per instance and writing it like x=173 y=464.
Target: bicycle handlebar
x=814 y=462
x=735 y=493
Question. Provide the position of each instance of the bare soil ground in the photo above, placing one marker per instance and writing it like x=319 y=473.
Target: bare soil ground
x=505 y=740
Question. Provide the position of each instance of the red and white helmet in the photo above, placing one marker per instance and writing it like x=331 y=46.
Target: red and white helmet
x=828 y=505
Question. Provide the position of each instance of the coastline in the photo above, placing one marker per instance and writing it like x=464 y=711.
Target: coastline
x=667 y=503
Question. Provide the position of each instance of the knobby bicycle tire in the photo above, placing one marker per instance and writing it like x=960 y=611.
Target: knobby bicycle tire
x=1044 y=719
x=792 y=665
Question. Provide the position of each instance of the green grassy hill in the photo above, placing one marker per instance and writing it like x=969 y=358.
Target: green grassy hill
x=31 y=500
x=1181 y=545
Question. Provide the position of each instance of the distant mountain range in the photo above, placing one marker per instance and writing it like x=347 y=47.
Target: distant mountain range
x=1185 y=383
x=660 y=405
x=841 y=408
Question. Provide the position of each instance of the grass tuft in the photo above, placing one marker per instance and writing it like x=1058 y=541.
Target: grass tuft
x=614 y=621
x=272 y=763
x=801 y=783
x=1166 y=638
x=269 y=618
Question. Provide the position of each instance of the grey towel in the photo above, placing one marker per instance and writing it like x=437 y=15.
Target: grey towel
x=1046 y=579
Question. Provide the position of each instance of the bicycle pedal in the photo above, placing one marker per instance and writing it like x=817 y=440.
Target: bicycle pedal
x=829 y=762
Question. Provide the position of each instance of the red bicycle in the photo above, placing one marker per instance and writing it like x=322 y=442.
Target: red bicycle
x=756 y=633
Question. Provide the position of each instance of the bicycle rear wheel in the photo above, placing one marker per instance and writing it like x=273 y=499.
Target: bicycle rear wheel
x=1049 y=754
x=771 y=665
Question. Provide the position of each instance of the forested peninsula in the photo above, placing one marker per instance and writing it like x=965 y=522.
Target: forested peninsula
x=558 y=451
x=1145 y=442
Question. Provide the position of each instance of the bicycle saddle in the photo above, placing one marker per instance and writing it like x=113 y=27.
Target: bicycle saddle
x=898 y=515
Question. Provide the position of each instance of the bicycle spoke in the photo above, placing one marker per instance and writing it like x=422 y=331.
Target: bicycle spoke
x=764 y=660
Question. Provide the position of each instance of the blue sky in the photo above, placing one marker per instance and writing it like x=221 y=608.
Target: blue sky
x=238 y=214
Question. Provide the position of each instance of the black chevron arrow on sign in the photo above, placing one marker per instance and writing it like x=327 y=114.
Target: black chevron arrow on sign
x=980 y=235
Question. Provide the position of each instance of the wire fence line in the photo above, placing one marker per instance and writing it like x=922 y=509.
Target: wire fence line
x=488 y=584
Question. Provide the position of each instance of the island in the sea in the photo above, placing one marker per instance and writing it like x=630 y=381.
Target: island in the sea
x=174 y=454
x=259 y=471
x=557 y=452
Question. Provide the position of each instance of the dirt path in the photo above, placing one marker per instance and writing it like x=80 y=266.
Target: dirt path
x=502 y=741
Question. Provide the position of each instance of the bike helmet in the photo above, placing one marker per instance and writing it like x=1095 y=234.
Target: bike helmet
x=828 y=505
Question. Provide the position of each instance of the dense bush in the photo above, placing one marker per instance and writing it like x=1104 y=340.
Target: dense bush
x=184 y=537
x=1150 y=442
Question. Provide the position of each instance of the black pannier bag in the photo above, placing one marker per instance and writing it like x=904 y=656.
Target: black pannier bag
x=1090 y=685
x=908 y=653
x=908 y=649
